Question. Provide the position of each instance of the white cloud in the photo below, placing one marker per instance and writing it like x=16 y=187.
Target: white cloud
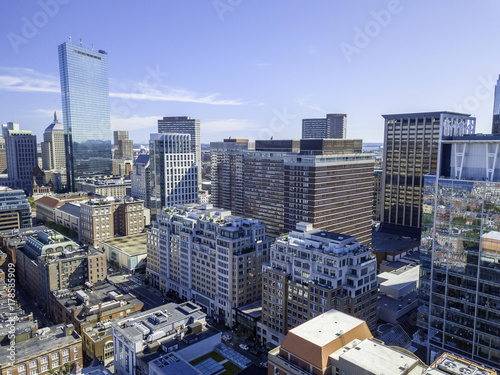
x=135 y=123
x=229 y=125
x=28 y=80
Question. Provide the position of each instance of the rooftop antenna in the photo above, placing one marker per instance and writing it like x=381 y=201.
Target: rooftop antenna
x=92 y=47
x=70 y=39
x=80 y=42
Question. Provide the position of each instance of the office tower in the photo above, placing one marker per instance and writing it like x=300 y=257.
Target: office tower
x=226 y=160
x=53 y=149
x=213 y=257
x=312 y=271
x=174 y=174
x=3 y=156
x=495 y=128
x=140 y=179
x=185 y=125
x=124 y=147
x=377 y=194
x=85 y=104
x=15 y=210
x=460 y=257
x=333 y=126
x=333 y=192
x=22 y=159
x=410 y=152
x=329 y=184
x=9 y=126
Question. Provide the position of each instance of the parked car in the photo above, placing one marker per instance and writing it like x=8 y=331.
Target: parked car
x=244 y=347
x=263 y=364
x=226 y=336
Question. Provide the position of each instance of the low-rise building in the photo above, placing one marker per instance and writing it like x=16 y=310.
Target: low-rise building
x=102 y=219
x=50 y=349
x=107 y=186
x=46 y=205
x=68 y=216
x=336 y=343
x=128 y=253
x=49 y=261
x=171 y=327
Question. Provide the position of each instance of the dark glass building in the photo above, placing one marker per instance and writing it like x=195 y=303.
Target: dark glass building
x=411 y=144
x=460 y=253
x=495 y=128
x=85 y=104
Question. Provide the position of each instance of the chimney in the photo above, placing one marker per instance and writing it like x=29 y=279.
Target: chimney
x=68 y=329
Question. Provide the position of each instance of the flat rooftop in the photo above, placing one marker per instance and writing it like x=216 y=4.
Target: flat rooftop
x=326 y=327
x=171 y=363
x=130 y=245
x=379 y=359
x=392 y=243
x=53 y=339
x=253 y=309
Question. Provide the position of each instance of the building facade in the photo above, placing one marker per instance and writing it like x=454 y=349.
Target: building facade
x=140 y=180
x=460 y=251
x=102 y=219
x=213 y=257
x=312 y=271
x=116 y=187
x=22 y=158
x=53 y=149
x=15 y=210
x=333 y=126
x=124 y=147
x=185 y=125
x=411 y=143
x=85 y=104
x=174 y=171
x=495 y=127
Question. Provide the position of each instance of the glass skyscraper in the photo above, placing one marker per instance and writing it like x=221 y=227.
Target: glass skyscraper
x=495 y=128
x=85 y=104
x=460 y=252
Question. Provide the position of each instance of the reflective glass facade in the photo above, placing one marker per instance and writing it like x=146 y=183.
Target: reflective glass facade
x=495 y=129
x=460 y=268
x=85 y=104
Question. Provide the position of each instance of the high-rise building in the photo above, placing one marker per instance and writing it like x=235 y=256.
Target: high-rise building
x=174 y=173
x=140 y=179
x=209 y=255
x=22 y=158
x=410 y=152
x=495 y=128
x=460 y=258
x=85 y=104
x=332 y=192
x=226 y=160
x=53 y=149
x=312 y=271
x=333 y=126
x=124 y=147
x=329 y=184
x=185 y=125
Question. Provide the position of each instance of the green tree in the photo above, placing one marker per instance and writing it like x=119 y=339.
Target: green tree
x=32 y=203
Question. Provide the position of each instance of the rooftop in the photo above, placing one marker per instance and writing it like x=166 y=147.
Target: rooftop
x=46 y=340
x=392 y=243
x=378 y=358
x=130 y=245
x=171 y=363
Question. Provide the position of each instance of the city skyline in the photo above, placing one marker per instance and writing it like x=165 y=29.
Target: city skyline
x=256 y=82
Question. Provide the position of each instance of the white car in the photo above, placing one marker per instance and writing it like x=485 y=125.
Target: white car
x=226 y=337
x=244 y=347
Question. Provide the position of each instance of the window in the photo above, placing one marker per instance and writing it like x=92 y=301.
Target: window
x=9 y=372
x=21 y=368
x=33 y=372
x=65 y=352
x=55 y=364
x=44 y=360
x=32 y=364
x=75 y=349
x=44 y=368
x=55 y=356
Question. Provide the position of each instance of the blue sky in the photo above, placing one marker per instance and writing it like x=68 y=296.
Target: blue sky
x=254 y=69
